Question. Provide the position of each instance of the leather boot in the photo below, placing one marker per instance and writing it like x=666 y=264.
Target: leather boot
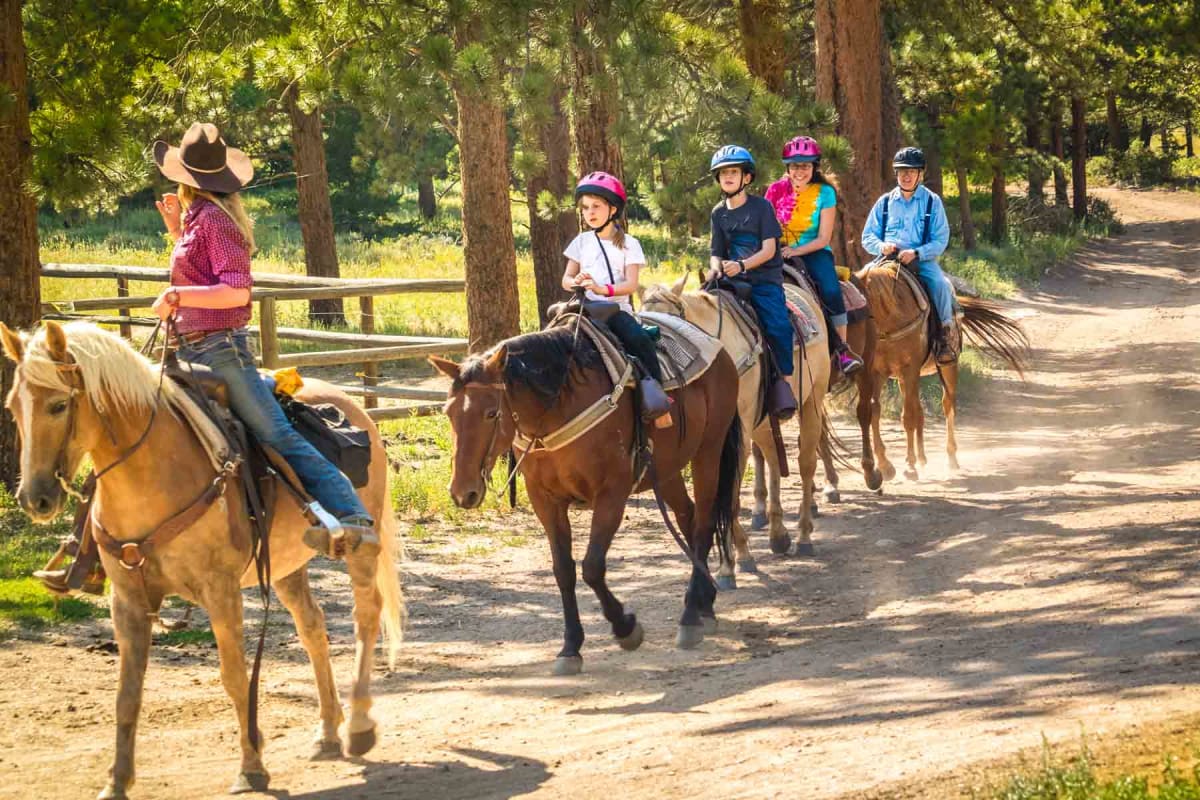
x=949 y=345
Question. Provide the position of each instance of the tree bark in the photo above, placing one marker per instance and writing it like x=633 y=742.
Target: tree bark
x=893 y=129
x=849 y=67
x=1079 y=156
x=548 y=237
x=1037 y=176
x=314 y=208
x=426 y=197
x=762 y=27
x=1187 y=135
x=964 y=209
x=594 y=92
x=1060 y=153
x=1164 y=138
x=20 y=285
x=1116 y=131
x=493 y=307
x=1146 y=133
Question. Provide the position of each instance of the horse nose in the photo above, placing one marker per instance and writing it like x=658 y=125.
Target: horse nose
x=43 y=505
x=471 y=499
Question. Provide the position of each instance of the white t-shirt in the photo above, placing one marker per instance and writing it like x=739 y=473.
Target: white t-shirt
x=585 y=248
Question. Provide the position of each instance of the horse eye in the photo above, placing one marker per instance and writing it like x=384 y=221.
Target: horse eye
x=492 y=413
x=58 y=407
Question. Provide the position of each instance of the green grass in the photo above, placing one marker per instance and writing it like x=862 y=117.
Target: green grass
x=1079 y=780
x=186 y=637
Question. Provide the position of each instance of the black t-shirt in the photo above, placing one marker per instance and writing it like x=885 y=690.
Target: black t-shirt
x=739 y=233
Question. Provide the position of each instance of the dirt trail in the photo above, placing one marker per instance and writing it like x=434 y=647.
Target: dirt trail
x=1047 y=586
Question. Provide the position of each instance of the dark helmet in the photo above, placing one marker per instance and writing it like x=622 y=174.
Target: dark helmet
x=910 y=157
x=732 y=155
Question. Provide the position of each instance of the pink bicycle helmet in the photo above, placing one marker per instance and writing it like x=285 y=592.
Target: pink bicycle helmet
x=802 y=149
x=603 y=185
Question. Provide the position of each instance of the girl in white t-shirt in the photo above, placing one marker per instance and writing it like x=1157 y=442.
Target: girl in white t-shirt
x=605 y=261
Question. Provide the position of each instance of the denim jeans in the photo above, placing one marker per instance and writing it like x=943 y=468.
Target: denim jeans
x=631 y=333
x=769 y=302
x=227 y=353
x=940 y=289
x=820 y=268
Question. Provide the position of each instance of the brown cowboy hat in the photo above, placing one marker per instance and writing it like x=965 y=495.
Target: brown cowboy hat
x=203 y=161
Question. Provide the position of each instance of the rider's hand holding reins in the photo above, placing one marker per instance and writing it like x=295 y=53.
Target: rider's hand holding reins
x=166 y=303
x=907 y=257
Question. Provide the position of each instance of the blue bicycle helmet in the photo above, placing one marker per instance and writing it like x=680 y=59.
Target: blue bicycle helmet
x=732 y=155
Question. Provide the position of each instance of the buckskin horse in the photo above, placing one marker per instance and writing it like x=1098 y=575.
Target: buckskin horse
x=903 y=351
x=80 y=390
x=809 y=382
x=550 y=388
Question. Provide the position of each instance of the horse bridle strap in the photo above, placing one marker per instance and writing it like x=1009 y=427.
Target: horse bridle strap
x=581 y=423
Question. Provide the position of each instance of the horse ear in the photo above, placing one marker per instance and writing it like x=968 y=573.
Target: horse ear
x=640 y=291
x=495 y=362
x=56 y=341
x=14 y=348
x=677 y=287
x=445 y=366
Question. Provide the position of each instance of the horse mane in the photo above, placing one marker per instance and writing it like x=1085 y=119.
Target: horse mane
x=540 y=362
x=115 y=376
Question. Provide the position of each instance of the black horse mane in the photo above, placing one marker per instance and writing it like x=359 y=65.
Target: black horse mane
x=540 y=362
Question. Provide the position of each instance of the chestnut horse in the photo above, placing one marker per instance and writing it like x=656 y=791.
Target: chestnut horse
x=535 y=386
x=80 y=390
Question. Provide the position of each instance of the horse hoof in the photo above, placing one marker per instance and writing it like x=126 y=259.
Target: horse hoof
x=805 y=549
x=630 y=643
x=726 y=583
x=952 y=464
x=361 y=742
x=911 y=474
x=250 y=782
x=689 y=637
x=781 y=545
x=111 y=792
x=568 y=665
x=747 y=565
x=832 y=495
x=759 y=522
x=889 y=473
x=326 y=750
x=709 y=623
x=875 y=480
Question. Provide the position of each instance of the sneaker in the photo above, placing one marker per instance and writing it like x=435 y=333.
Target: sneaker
x=847 y=361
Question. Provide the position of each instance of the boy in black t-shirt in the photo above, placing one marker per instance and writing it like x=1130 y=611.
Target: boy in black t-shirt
x=745 y=247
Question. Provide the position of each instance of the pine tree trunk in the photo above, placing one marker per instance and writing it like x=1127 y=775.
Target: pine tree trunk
x=1187 y=135
x=1060 y=153
x=889 y=115
x=1037 y=176
x=1116 y=131
x=594 y=92
x=20 y=276
x=933 y=152
x=762 y=24
x=1164 y=139
x=493 y=307
x=426 y=197
x=1146 y=133
x=548 y=237
x=1079 y=156
x=849 y=68
x=964 y=209
x=314 y=207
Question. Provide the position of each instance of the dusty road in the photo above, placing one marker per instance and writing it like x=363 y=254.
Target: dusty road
x=1048 y=586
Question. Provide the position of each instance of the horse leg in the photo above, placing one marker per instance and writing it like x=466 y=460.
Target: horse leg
x=606 y=519
x=368 y=605
x=296 y=596
x=810 y=436
x=777 y=532
x=553 y=516
x=726 y=579
x=674 y=493
x=131 y=626
x=885 y=466
x=223 y=602
x=830 y=493
x=759 y=520
x=866 y=398
x=949 y=374
x=912 y=416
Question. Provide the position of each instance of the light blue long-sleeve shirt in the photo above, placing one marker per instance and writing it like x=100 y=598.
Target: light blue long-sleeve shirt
x=906 y=223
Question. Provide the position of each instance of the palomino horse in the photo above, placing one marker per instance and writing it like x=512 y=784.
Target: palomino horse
x=542 y=389
x=80 y=390
x=809 y=383
x=903 y=351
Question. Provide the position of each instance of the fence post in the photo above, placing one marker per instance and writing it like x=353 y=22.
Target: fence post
x=268 y=335
x=370 y=370
x=123 y=291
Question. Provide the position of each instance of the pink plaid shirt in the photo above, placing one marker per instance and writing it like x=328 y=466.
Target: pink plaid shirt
x=210 y=251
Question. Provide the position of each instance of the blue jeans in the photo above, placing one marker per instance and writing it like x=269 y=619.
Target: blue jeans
x=768 y=301
x=821 y=270
x=228 y=355
x=939 y=288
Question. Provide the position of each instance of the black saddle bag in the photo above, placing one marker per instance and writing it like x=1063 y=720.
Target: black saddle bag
x=326 y=428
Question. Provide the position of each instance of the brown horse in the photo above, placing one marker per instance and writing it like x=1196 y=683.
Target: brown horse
x=81 y=390
x=535 y=386
x=903 y=351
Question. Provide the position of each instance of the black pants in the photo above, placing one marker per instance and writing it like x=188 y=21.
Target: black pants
x=636 y=341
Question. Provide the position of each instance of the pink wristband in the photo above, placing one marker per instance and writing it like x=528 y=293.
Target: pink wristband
x=611 y=290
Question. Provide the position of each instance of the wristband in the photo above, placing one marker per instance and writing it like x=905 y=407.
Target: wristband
x=611 y=290
x=172 y=297
x=742 y=264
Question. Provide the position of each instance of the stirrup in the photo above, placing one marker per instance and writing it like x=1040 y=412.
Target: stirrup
x=353 y=534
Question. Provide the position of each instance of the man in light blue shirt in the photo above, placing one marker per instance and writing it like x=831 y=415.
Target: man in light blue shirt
x=910 y=221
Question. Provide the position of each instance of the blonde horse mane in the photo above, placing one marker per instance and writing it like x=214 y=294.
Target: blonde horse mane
x=115 y=376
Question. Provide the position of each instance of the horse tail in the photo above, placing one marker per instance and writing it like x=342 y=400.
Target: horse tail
x=837 y=447
x=988 y=329
x=387 y=580
x=728 y=482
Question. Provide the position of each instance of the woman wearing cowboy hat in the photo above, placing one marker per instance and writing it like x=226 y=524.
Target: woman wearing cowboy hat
x=209 y=297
